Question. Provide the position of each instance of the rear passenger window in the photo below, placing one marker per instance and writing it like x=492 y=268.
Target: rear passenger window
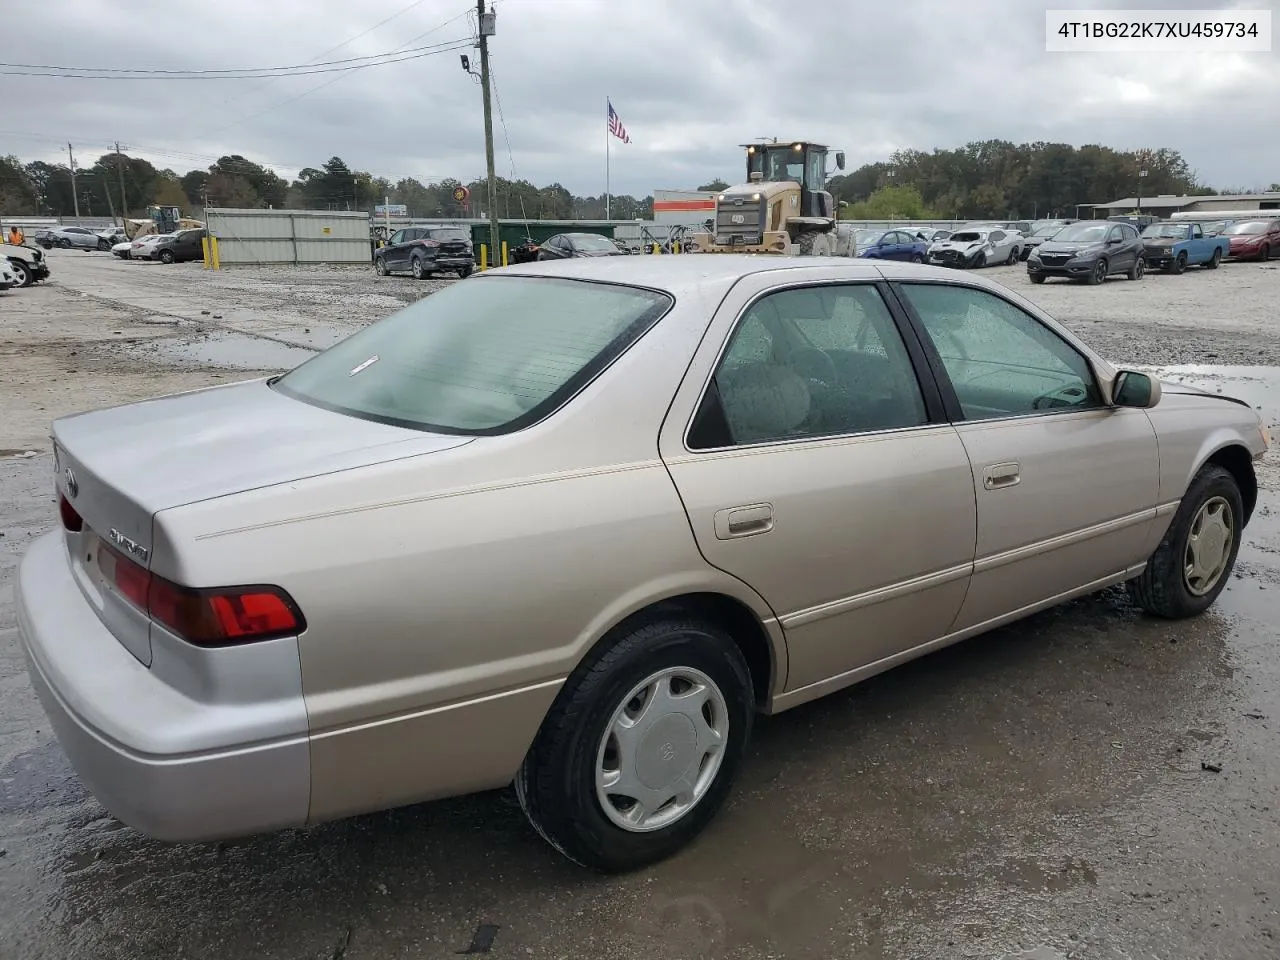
x=811 y=362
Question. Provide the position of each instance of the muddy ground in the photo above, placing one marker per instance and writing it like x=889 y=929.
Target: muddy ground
x=1089 y=783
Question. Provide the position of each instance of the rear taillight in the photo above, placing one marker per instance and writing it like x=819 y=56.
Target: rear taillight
x=217 y=617
x=70 y=519
x=429 y=243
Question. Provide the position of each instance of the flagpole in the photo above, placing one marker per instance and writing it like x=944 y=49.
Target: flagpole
x=607 y=106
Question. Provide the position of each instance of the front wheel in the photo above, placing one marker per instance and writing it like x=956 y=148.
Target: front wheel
x=1036 y=277
x=103 y=245
x=641 y=746
x=1099 y=273
x=979 y=261
x=380 y=267
x=1194 y=560
x=1264 y=254
x=1179 y=264
x=1214 y=260
x=24 y=273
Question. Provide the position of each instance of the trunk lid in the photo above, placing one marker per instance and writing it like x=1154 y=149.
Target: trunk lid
x=120 y=466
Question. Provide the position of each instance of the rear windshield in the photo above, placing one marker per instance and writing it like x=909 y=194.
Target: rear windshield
x=483 y=356
x=591 y=241
x=449 y=234
x=1246 y=229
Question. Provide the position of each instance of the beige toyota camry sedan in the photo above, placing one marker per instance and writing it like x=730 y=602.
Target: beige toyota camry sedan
x=569 y=526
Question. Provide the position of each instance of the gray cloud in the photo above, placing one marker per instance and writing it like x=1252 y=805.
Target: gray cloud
x=691 y=79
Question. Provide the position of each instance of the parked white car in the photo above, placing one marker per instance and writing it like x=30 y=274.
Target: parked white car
x=140 y=249
x=978 y=248
x=7 y=277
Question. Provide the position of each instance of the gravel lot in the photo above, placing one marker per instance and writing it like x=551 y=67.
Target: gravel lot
x=1042 y=788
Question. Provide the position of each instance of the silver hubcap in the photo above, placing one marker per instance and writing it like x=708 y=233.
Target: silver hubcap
x=1208 y=546
x=662 y=749
x=417 y=268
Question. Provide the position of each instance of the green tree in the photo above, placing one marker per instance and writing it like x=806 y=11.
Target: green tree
x=889 y=203
x=167 y=192
x=18 y=194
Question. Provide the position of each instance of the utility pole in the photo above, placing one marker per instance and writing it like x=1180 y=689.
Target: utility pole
x=124 y=204
x=488 y=26
x=75 y=197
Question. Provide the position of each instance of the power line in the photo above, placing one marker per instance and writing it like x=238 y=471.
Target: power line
x=302 y=70
x=332 y=80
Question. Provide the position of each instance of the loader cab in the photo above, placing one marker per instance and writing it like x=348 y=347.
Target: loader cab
x=796 y=162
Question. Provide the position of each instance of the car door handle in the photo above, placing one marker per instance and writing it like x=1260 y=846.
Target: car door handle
x=1000 y=475
x=745 y=521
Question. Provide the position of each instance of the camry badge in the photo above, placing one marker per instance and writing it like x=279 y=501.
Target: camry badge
x=128 y=545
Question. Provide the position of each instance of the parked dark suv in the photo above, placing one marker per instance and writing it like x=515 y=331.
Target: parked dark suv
x=181 y=246
x=424 y=251
x=1089 y=250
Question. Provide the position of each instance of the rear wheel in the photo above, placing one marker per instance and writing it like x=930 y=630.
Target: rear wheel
x=1137 y=270
x=641 y=746
x=1193 y=562
x=1214 y=260
x=64 y=243
x=916 y=258
x=166 y=256
x=464 y=273
x=418 y=269
x=1013 y=257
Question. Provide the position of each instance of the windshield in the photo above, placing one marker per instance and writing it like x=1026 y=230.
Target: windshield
x=966 y=236
x=449 y=234
x=1047 y=229
x=590 y=241
x=1084 y=232
x=1174 y=231
x=482 y=357
x=1249 y=228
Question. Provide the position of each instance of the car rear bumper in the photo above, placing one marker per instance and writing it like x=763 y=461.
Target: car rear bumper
x=94 y=692
x=453 y=263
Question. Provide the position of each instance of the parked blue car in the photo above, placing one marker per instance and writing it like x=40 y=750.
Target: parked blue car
x=889 y=245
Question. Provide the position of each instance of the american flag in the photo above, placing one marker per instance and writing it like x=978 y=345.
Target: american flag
x=615 y=125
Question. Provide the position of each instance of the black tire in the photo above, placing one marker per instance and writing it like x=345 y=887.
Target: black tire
x=556 y=784
x=64 y=243
x=417 y=269
x=1179 y=264
x=1264 y=254
x=1162 y=588
x=1099 y=272
x=979 y=261
x=464 y=273
x=1036 y=277
x=916 y=258
x=103 y=245
x=166 y=256
x=1214 y=260
x=1138 y=269
x=380 y=267
x=24 y=273
x=1013 y=257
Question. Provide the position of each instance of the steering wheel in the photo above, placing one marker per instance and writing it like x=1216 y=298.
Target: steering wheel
x=1068 y=395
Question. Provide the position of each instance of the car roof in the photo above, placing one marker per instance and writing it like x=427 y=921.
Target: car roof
x=680 y=274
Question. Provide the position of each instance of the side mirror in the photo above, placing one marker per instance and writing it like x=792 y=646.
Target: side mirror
x=840 y=160
x=1133 y=389
x=1115 y=240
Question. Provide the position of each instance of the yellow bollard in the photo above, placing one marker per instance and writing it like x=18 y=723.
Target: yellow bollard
x=484 y=257
x=655 y=249
x=204 y=246
x=675 y=246
x=217 y=259
x=504 y=253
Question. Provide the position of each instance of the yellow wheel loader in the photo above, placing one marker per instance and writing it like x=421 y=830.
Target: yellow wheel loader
x=783 y=208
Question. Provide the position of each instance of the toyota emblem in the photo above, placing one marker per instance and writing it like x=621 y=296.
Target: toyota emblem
x=73 y=487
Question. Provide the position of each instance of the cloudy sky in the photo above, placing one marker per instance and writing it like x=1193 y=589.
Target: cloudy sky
x=691 y=80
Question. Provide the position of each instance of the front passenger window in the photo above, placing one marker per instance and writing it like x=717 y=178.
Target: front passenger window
x=1001 y=360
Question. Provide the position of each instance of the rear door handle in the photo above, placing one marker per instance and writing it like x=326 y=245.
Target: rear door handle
x=1000 y=475
x=744 y=521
